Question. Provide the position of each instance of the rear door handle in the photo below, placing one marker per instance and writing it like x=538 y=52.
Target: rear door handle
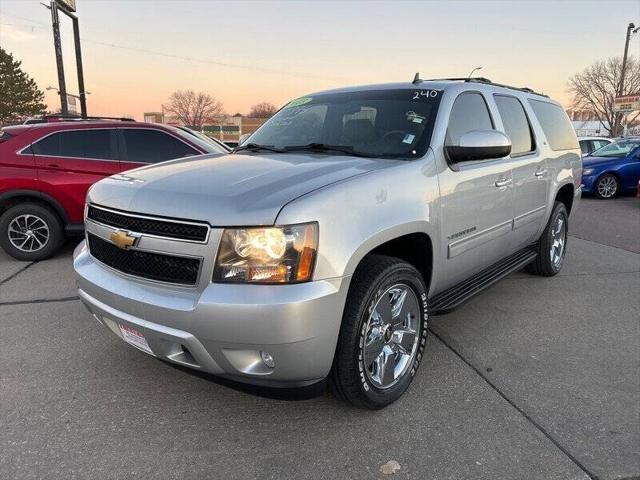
x=541 y=173
x=503 y=183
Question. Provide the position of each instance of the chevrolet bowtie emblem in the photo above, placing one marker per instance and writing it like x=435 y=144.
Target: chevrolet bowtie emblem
x=123 y=239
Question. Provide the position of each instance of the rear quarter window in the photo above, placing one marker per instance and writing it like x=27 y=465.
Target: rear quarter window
x=153 y=146
x=555 y=125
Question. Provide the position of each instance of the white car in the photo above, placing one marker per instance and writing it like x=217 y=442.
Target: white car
x=589 y=145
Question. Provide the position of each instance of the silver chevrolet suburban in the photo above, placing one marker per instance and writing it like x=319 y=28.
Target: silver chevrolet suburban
x=320 y=246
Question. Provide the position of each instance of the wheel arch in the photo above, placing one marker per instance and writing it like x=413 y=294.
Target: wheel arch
x=14 y=197
x=414 y=247
x=565 y=196
x=609 y=172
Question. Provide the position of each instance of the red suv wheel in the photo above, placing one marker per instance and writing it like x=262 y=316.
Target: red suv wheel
x=30 y=232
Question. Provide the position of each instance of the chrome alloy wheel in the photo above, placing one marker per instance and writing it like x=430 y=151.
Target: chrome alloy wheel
x=28 y=233
x=607 y=187
x=391 y=336
x=558 y=240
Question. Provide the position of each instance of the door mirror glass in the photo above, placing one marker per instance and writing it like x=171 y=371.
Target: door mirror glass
x=479 y=145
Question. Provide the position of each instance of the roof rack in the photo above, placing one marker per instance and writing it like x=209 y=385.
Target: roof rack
x=483 y=80
x=78 y=117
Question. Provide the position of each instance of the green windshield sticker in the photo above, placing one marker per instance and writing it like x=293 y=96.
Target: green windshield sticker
x=299 y=101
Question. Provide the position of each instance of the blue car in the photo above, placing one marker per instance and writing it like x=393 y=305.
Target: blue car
x=612 y=169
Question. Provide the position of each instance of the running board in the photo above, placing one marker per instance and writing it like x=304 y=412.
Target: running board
x=453 y=297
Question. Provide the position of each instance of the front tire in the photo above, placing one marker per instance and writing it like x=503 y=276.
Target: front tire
x=383 y=333
x=552 y=246
x=607 y=186
x=30 y=232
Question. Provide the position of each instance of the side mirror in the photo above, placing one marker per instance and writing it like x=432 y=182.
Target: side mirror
x=243 y=138
x=479 y=145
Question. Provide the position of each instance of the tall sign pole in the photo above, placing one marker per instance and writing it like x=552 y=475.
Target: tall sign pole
x=76 y=41
x=57 y=44
x=68 y=7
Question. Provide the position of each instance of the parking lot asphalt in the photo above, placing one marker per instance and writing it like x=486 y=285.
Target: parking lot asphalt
x=536 y=378
x=615 y=223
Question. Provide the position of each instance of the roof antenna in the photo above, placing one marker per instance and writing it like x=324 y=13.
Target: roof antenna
x=472 y=72
x=416 y=78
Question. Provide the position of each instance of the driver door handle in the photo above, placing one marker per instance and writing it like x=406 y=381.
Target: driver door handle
x=541 y=173
x=503 y=183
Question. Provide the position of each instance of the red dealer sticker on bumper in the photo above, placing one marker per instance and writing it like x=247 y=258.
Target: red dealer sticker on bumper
x=135 y=338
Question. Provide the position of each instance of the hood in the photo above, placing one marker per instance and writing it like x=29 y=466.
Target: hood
x=227 y=190
x=588 y=162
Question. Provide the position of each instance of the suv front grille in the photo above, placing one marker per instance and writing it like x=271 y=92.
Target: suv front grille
x=162 y=228
x=154 y=266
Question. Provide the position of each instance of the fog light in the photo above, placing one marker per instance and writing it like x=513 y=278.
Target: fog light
x=268 y=359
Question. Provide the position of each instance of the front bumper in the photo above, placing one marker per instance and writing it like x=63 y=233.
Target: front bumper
x=222 y=328
x=588 y=184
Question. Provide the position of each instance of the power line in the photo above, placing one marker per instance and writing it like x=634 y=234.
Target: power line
x=20 y=25
x=180 y=57
x=20 y=17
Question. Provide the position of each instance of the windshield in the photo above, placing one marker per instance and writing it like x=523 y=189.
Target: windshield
x=381 y=123
x=618 y=149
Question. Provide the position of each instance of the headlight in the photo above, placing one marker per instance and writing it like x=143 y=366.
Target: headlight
x=267 y=255
x=587 y=171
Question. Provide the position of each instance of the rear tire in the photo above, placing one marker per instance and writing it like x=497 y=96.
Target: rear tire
x=552 y=246
x=30 y=232
x=383 y=333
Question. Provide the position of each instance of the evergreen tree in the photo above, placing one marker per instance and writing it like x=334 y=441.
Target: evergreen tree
x=19 y=94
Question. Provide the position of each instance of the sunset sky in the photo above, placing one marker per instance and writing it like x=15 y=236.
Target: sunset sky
x=136 y=52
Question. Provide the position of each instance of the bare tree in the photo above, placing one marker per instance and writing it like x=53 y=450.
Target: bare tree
x=596 y=87
x=263 y=110
x=194 y=109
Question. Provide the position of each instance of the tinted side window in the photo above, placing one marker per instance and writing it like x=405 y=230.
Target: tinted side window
x=96 y=144
x=469 y=112
x=153 y=146
x=516 y=124
x=555 y=125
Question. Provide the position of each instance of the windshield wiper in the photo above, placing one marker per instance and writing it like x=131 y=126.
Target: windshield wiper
x=254 y=147
x=321 y=147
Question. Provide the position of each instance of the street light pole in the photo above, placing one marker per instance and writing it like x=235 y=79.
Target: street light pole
x=630 y=28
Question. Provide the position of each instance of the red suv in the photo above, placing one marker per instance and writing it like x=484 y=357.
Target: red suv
x=47 y=168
